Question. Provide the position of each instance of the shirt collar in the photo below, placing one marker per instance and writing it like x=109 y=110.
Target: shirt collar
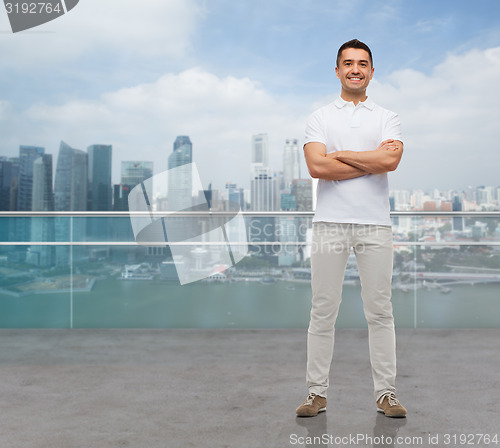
x=368 y=103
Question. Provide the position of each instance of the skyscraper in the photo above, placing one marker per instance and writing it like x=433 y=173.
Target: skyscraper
x=288 y=238
x=303 y=192
x=27 y=156
x=264 y=197
x=458 y=221
x=291 y=162
x=71 y=179
x=183 y=140
x=260 y=155
x=99 y=190
x=132 y=174
x=135 y=172
x=235 y=194
x=42 y=228
x=9 y=171
x=70 y=194
x=180 y=179
x=264 y=192
x=99 y=177
x=42 y=195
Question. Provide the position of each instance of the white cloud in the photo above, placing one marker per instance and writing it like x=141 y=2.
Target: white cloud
x=219 y=114
x=449 y=119
x=431 y=25
x=122 y=28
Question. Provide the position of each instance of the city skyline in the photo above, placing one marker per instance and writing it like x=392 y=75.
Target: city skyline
x=71 y=186
x=222 y=71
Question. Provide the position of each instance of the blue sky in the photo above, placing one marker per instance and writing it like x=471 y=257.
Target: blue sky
x=137 y=74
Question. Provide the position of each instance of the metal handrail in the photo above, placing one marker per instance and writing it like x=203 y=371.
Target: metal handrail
x=237 y=243
x=305 y=214
x=80 y=214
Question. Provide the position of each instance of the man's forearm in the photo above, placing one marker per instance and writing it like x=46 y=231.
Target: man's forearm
x=325 y=166
x=338 y=170
x=367 y=161
x=384 y=159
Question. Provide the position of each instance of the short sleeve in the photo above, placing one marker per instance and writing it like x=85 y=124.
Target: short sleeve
x=392 y=128
x=315 y=130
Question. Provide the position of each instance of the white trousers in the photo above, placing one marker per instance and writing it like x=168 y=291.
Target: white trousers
x=373 y=248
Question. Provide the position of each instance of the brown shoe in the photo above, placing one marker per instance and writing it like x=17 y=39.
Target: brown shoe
x=312 y=406
x=390 y=405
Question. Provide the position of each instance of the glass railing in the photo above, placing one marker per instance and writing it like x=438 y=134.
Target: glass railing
x=84 y=269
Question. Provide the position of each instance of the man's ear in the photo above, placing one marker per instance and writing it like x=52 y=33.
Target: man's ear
x=337 y=72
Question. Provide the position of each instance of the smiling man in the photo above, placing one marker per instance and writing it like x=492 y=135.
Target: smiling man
x=350 y=146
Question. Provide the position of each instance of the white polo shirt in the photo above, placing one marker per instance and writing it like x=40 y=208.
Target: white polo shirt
x=341 y=126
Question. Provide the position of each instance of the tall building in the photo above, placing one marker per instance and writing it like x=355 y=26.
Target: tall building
x=9 y=170
x=402 y=199
x=8 y=181
x=264 y=192
x=302 y=189
x=288 y=253
x=458 y=221
x=42 y=195
x=70 y=194
x=288 y=201
x=121 y=228
x=264 y=196
x=291 y=162
x=417 y=200
x=71 y=179
x=99 y=177
x=235 y=194
x=484 y=195
x=27 y=156
x=99 y=191
x=180 y=175
x=184 y=141
x=135 y=172
x=42 y=228
x=260 y=155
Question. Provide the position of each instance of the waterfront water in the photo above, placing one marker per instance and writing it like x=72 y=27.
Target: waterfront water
x=116 y=303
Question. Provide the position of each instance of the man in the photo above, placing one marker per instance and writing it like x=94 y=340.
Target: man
x=350 y=146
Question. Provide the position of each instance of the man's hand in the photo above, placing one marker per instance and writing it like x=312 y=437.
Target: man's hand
x=388 y=145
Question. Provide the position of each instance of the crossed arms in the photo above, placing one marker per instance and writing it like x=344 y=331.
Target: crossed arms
x=341 y=165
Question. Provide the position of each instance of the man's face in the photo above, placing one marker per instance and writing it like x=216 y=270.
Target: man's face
x=355 y=70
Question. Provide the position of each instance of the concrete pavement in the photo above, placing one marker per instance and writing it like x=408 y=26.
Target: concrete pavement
x=237 y=388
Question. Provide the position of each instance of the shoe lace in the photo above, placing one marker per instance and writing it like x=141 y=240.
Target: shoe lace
x=391 y=398
x=309 y=399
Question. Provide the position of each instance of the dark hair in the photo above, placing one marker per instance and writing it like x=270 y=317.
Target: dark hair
x=355 y=43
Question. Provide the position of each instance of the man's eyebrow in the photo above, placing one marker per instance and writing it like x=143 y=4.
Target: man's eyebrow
x=350 y=60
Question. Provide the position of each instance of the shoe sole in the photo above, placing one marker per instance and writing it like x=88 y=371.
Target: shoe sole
x=391 y=416
x=313 y=415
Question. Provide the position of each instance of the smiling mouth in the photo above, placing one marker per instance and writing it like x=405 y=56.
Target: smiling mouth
x=354 y=78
